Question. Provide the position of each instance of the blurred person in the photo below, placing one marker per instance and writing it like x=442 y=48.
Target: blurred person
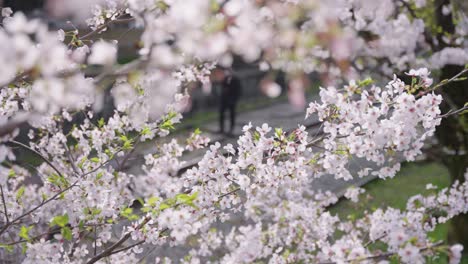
x=229 y=96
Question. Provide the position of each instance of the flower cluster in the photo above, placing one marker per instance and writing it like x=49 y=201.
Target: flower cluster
x=375 y=123
x=82 y=194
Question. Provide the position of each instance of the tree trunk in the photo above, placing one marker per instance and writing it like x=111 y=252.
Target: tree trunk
x=452 y=134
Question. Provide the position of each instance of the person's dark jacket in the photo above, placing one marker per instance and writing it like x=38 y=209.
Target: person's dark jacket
x=230 y=89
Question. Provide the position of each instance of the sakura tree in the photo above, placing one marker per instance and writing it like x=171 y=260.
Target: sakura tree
x=78 y=204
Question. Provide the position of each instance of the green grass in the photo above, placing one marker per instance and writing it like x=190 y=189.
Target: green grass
x=395 y=192
x=410 y=181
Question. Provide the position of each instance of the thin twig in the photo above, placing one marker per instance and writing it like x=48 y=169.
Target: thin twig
x=71 y=159
x=454 y=112
x=38 y=154
x=103 y=26
x=95 y=241
x=444 y=82
x=107 y=252
x=129 y=247
x=4 y=228
x=4 y=205
x=229 y=193
x=112 y=249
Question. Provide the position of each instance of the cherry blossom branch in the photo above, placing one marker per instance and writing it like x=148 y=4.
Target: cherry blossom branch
x=71 y=159
x=4 y=205
x=129 y=247
x=229 y=193
x=454 y=112
x=38 y=154
x=17 y=78
x=110 y=250
x=103 y=26
x=408 y=7
x=137 y=244
x=74 y=245
x=444 y=82
x=4 y=228
x=31 y=239
x=384 y=255
x=95 y=241
x=107 y=252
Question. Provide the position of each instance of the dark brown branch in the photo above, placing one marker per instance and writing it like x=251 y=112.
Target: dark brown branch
x=4 y=205
x=109 y=251
x=4 y=228
x=128 y=247
x=38 y=154
x=113 y=249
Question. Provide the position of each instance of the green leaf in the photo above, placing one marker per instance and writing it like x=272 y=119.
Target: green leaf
x=24 y=232
x=109 y=153
x=167 y=125
x=168 y=203
x=365 y=82
x=394 y=259
x=95 y=160
x=81 y=163
x=9 y=248
x=278 y=132
x=92 y=211
x=11 y=173
x=24 y=248
x=127 y=143
x=164 y=206
x=171 y=114
x=99 y=175
x=128 y=213
x=214 y=5
x=101 y=122
x=145 y=131
x=162 y=5
x=460 y=79
x=413 y=240
x=58 y=180
x=20 y=192
x=140 y=90
x=197 y=131
x=66 y=233
x=81 y=225
x=187 y=199
x=60 y=220
x=152 y=201
x=256 y=136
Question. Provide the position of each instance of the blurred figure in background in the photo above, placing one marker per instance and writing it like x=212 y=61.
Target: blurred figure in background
x=229 y=95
